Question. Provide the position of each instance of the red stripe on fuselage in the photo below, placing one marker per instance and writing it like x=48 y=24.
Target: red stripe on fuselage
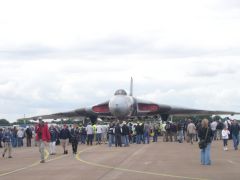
x=101 y=109
x=148 y=107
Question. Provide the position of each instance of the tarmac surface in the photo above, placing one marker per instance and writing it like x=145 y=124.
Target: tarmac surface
x=161 y=160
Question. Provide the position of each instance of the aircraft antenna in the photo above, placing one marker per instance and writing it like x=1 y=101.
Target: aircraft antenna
x=131 y=87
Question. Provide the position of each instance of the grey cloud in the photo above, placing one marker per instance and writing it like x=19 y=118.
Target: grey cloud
x=26 y=52
x=214 y=69
x=110 y=47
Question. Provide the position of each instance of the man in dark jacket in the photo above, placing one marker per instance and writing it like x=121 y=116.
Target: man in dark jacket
x=235 y=134
x=64 y=138
x=29 y=136
x=75 y=135
x=118 y=132
x=125 y=133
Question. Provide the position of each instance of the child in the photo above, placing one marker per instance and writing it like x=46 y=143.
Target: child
x=225 y=133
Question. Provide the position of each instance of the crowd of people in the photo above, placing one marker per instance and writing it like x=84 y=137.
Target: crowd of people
x=120 y=135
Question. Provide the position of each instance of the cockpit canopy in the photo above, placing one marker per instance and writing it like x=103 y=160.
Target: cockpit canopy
x=120 y=92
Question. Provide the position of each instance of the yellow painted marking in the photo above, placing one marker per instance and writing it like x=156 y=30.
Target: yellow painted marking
x=46 y=155
x=131 y=170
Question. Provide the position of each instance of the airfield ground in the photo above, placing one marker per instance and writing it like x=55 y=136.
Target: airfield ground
x=162 y=161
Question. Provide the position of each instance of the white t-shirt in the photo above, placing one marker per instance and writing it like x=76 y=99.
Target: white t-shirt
x=214 y=125
x=89 y=129
x=225 y=134
x=99 y=129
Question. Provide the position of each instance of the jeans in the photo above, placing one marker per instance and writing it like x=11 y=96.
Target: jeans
x=180 y=136
x=126 y=140
x=90 y=139
x=14 y=142
x=235 y=141
x=99 y=138
x=146 y=138
x=138 y=139
x=110 y=140
x=205 y=155
x=20 y=142
x=83 y=138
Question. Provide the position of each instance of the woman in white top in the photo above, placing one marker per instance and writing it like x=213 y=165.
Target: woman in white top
x=225 y=133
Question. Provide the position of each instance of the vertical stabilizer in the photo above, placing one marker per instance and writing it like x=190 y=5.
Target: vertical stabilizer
x=131 y=87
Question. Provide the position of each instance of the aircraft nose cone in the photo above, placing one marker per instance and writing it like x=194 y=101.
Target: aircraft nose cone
x=118 y=106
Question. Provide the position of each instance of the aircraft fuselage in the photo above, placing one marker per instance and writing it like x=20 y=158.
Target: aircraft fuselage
x=121 y=106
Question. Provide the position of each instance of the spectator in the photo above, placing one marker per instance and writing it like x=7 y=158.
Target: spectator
x=1 y=137
x=75 y=134
x=205 y=132
x=90 y=134
x=99 y=131
x=110 y=135
x=7 y=137
x=42 y=136
x=191 y=130
x=118 y=132
x=29 y=136
x=53 y=139
x=125 y=133
x=235 y=134
x=225 y=134
x=64 y=138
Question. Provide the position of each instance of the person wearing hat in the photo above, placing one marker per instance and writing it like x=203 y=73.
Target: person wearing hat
x=42 y=136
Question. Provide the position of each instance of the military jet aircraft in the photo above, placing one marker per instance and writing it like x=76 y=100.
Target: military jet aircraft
x=123 y=106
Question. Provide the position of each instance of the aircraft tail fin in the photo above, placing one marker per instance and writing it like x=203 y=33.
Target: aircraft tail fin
x=131 y=87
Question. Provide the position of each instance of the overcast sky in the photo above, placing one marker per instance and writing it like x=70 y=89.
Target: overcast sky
x=59 y=55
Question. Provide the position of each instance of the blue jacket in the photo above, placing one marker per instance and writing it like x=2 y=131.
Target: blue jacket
x=7 y=136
